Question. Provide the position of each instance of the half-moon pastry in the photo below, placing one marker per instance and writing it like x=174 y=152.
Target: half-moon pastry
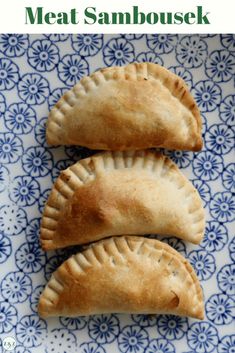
x=124 y=275
x=138 y=106
x=114 y=193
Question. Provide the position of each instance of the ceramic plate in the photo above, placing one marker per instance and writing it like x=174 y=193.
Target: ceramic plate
x=35 y=70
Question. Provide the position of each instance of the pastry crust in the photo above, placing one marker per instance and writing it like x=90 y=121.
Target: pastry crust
x=114 y=193
x=138 y=106
x=124 y=275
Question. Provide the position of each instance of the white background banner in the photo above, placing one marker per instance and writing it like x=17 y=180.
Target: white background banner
x=50 y=16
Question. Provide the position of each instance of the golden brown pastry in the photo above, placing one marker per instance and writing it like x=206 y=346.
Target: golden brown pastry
x=116 y=193
x=138 y=106
x=124 y=275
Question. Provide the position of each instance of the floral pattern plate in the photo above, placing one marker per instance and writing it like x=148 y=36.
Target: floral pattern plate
x=35 y=70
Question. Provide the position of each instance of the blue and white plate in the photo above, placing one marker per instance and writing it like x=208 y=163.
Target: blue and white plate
x=35 y=70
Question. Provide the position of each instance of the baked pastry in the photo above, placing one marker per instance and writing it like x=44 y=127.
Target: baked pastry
x=115 y=193
x=141 y=105
x=123 y=275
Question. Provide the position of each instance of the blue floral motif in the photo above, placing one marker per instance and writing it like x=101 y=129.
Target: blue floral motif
x=227 y=110
x=91 y=347
x=24 y=191
x=31 y=331
x=181 y=158
x=57 y=37
x=232 y=249
x=63 y=340
x=229 y=177
x=133 y=339
x=203 y=189
x=20 y=118
x=9 y=74
x=226 y=279
x=219 y=139
x=160 y=345
x=220 y=66
x=207 y=35
x=220 y=309
x=72 y=68
x=10 y=148
x=227 y=344
x=34 y=298
x=4 y=178
x=172 y=327
x=132 y=36
x=207 y=95
x=203 y=263
x=118 y=51
x=16 y=287
x=12 y=219
x=30 y=258
x=204 y=125
x=8 y=317
x=71 y=323
x=5 y=248
x=13 y=45
x=40 y=131
x=103 y=328
x=2 y=104
x=176 y=243
x=33 y=89
x=55 y=95
x=43 y=55
x=33 y=230
x=185 y=74
x=149 y=57
x=43 y=199
x=216 y=236
x=37 y=161
x=222 y=207
x=228 y=41
x=161 y=43
x=207 y=166
x=21 y=349
x=61 y=165
x=145 y=320
x=202 y=337
x=191 y=51
x=51 y=265
x=87 y=44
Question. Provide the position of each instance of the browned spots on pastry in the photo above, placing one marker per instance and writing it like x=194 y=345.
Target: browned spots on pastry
x=166 y=80
x=193 y=106
x=67 y=268
x=183 y=94
x=127 y=76
x=65 y=177
x=181 y=88
x=91 y=165
x=174 y=302
x=177 y=84
x=93 y=204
